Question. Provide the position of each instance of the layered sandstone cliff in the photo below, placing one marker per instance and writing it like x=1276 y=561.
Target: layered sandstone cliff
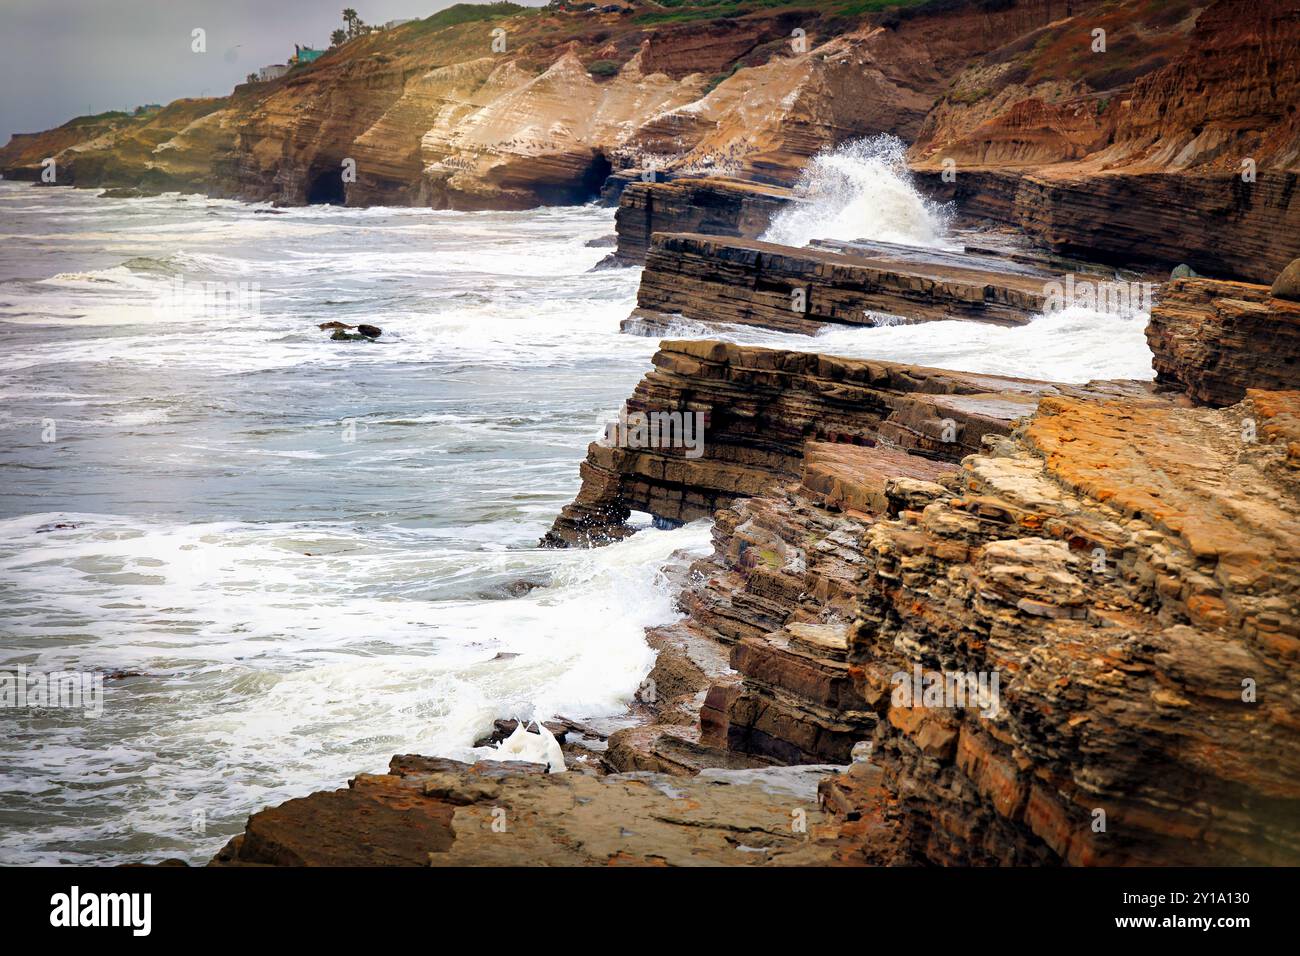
x=1129 y=149
x=499 y=112
x=991 y=621
x=1214 y=340
x=759 y=406
x=1132 y=611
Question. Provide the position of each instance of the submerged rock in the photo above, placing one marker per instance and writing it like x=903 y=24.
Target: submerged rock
x=128 y=192
x=364 y=333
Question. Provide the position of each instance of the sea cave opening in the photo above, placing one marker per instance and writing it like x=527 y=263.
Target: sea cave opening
x=326 y=188
x=596 y=174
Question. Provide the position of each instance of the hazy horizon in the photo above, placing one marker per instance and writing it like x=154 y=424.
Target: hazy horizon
x=66 y=58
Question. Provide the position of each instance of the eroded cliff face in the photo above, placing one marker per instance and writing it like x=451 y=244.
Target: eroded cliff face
x=433 y=114
x=995 y=621
x=1112 y=586
x=1111 y=582
x=1186 y=119
x=1214 y=340
x=436 y=114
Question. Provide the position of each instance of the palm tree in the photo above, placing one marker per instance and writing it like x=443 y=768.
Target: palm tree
x=350 y=18
x=337 y=37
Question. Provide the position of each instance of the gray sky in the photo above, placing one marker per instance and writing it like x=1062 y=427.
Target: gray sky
x=64 y=58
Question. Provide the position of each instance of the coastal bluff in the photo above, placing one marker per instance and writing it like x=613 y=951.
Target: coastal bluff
x=1110 y=570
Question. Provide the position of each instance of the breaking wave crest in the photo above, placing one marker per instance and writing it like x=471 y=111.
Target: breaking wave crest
x=860 y=190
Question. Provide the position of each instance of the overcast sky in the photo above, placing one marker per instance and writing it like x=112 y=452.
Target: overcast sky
x=65 y=58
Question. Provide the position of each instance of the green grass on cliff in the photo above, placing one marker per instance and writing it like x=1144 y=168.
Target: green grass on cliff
x=97 y=118
x=686 y=10
x=470 y=13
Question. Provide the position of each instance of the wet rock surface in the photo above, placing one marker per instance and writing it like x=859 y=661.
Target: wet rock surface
x=748 y=282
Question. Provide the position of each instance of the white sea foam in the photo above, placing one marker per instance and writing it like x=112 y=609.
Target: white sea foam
x=278 y=673
x=303 y=608
x=1074 y=345
x=859 y=190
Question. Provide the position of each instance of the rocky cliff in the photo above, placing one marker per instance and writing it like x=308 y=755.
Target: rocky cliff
x=489 y=107
x=1214 y=340
x=757 y=409
x=1131 y=610
x=1123 y=146
x=1107 y=130
x=991 y=621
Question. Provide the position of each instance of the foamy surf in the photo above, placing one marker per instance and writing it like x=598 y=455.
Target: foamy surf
x=1074 y=345
x=859 y=190
x=270 y=674
x=300 y=605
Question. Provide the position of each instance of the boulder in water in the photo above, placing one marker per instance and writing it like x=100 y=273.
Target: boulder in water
x=128 y=192
x=342 y=333
x=1287 y=283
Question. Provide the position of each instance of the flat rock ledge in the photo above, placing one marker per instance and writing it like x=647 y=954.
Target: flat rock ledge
x=431 y=812
x=711 y=281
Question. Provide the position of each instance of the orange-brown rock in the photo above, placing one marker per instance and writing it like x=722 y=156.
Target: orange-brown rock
x=1127 y=568
x=1177 y=143
x=1214 y=340
x=431 y=812
x=759 y=406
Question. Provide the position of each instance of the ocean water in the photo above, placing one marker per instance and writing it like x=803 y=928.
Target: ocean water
x=316 y=554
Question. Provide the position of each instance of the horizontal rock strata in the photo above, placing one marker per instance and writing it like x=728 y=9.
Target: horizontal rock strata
x=1125 y=566
x=1180 y=143
x=746 y=282
x=714 y=207
x=1156 y=219
x=778 y=591
x=1128 y=569
x=760 y=406
x=1214 y=340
